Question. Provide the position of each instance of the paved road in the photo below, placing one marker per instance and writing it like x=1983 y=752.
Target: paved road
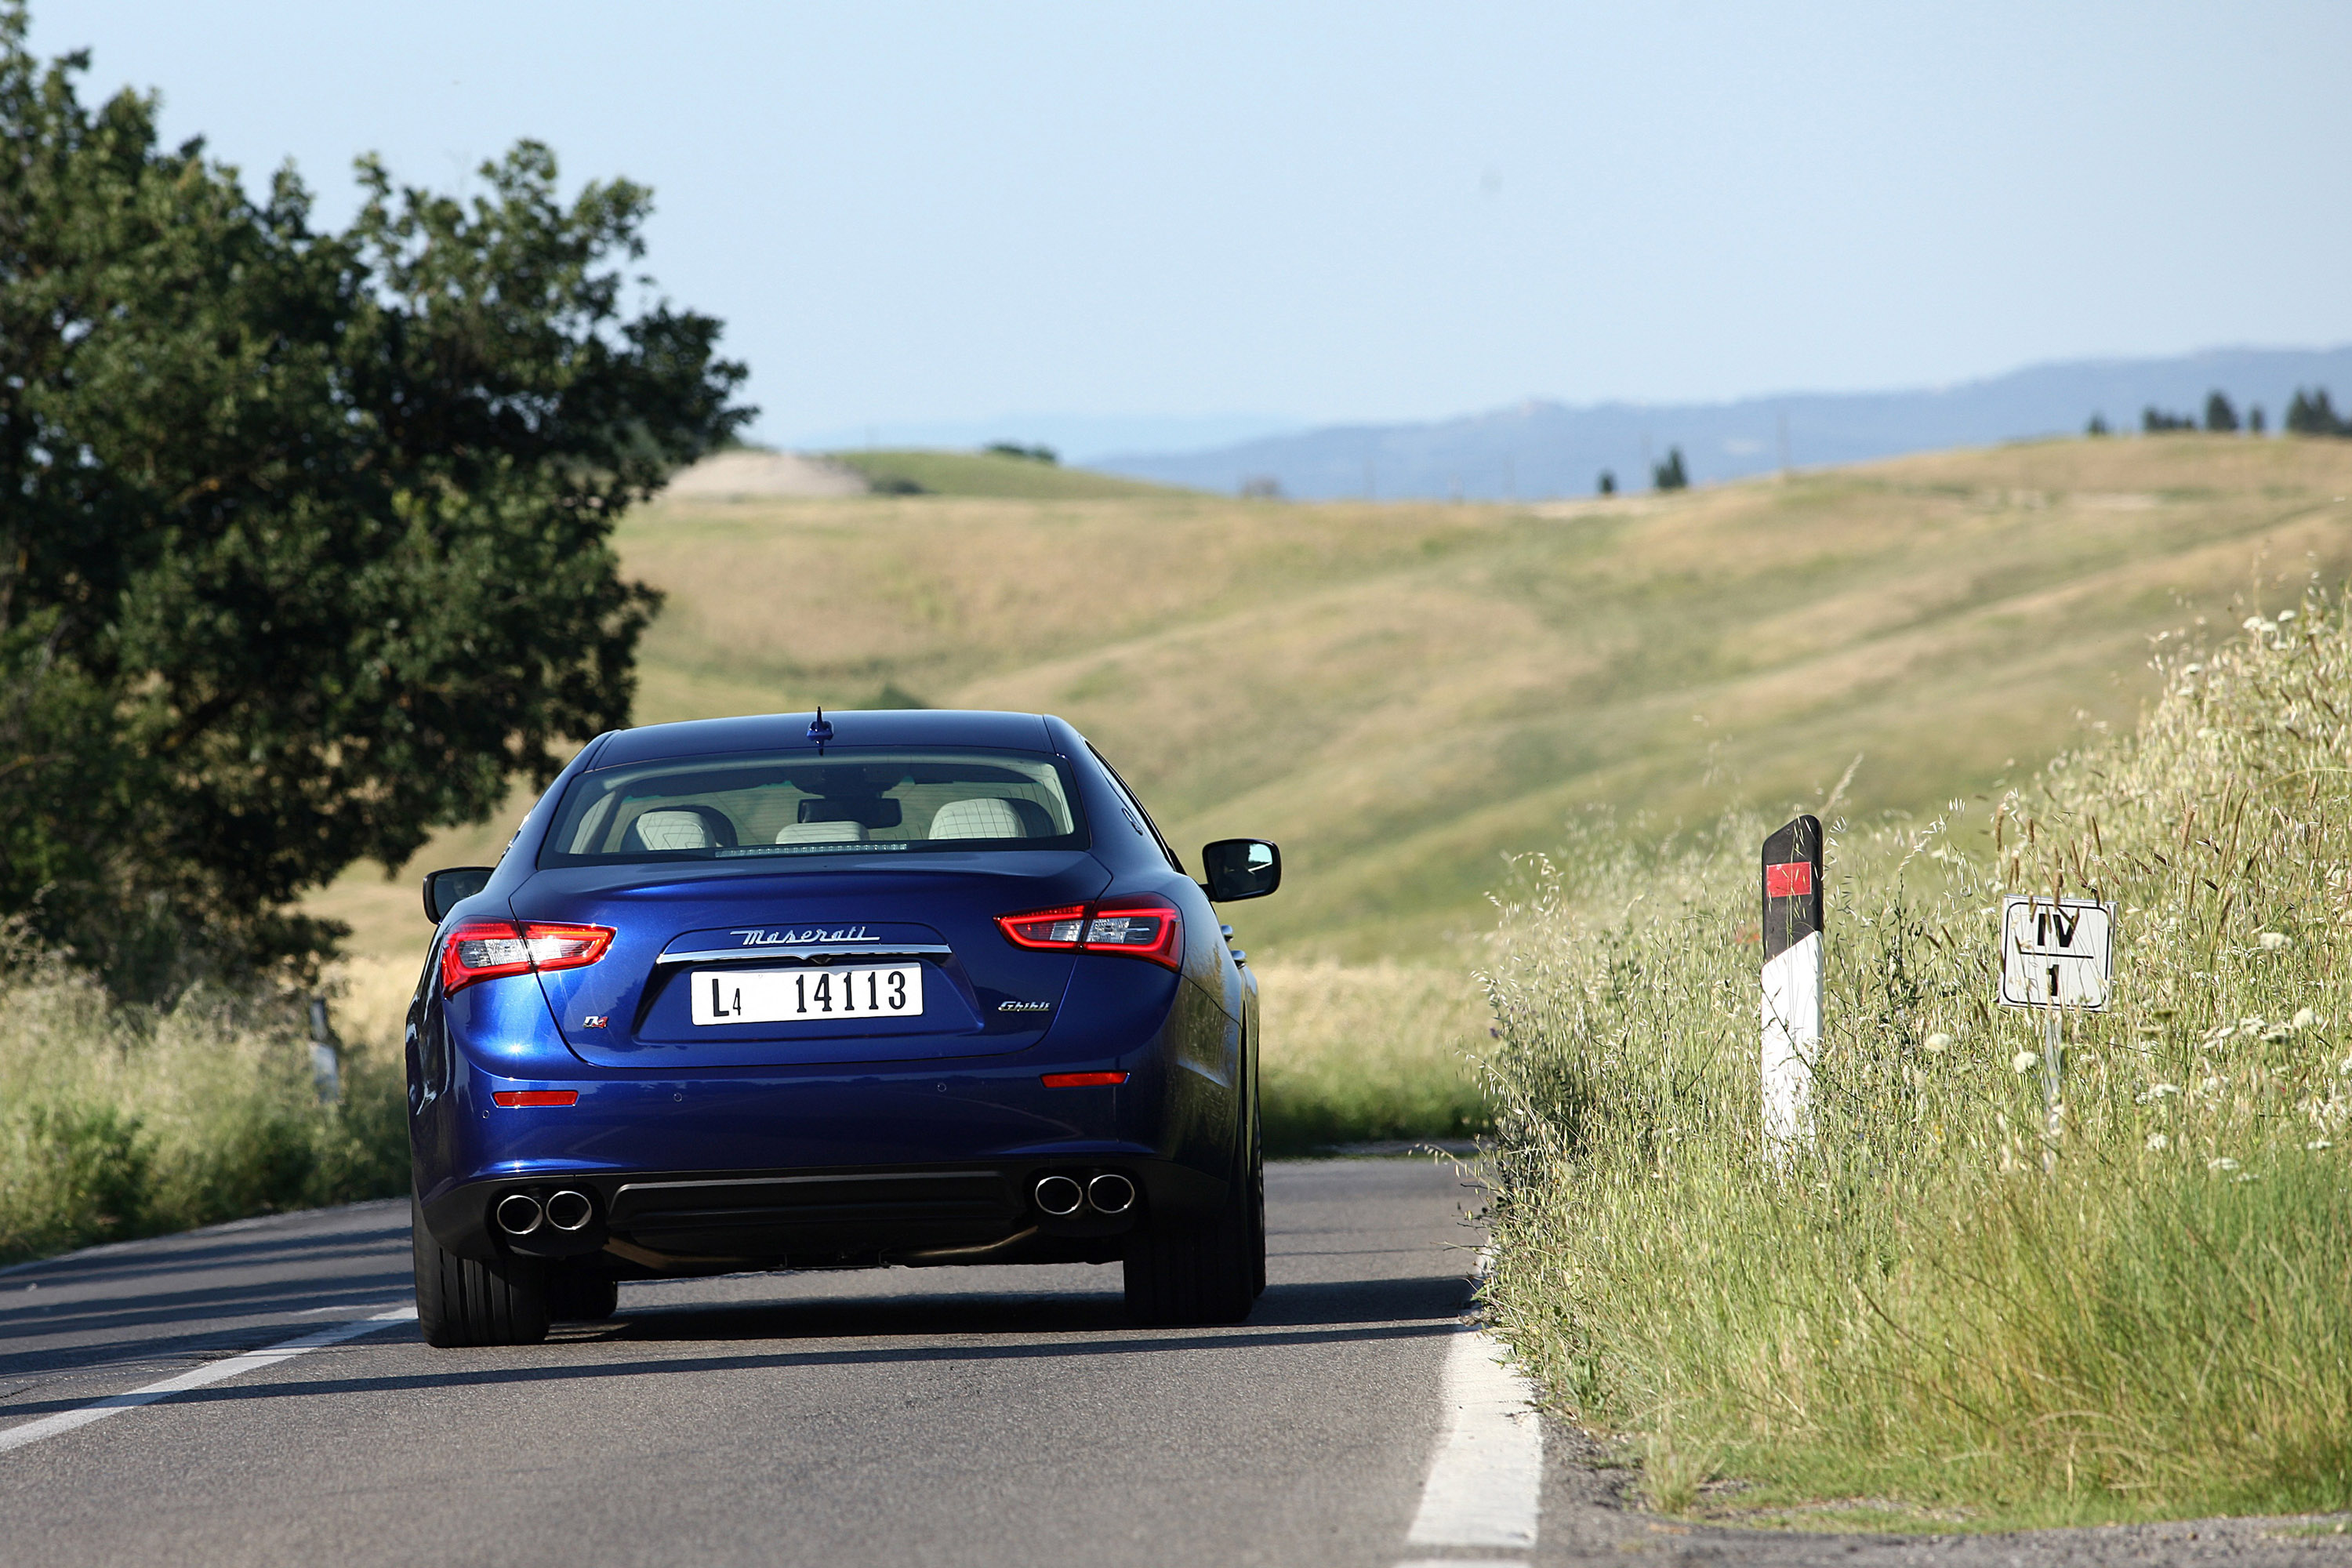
x=1006 y=1416
x=999 y=1416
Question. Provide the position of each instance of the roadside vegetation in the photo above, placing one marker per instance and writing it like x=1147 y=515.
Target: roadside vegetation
x=1941 y=1311
x=120 y=1120
x=1368 y=1053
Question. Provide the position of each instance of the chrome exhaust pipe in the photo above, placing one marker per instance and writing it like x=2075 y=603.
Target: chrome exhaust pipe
x=1059 y=1195
x=1111 y=1192
x=517 y=1214
x=571 y=1211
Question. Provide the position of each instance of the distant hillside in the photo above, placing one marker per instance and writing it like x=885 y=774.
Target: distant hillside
x=924 y=472
x=1402 y=694
x=1540 y=450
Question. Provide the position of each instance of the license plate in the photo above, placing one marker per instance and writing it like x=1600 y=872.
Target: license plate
x=799 y=996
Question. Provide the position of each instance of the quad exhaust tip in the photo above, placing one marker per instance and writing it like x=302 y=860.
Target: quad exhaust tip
x=570 y=1211
x=1059 y=1195
x=517 y=1214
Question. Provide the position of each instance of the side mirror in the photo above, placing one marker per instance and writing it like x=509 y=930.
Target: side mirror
x=443 y=890
x=1241 y=868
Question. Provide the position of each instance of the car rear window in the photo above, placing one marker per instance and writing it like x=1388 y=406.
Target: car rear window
x=851 y=800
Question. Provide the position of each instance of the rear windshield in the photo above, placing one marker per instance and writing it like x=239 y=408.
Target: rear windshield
x=849 y=801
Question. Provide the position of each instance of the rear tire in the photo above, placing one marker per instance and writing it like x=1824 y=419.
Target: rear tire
x=1205 y=1272
x=462 y=1302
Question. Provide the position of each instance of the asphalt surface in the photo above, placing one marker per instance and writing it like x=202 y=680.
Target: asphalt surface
x=951 y=1416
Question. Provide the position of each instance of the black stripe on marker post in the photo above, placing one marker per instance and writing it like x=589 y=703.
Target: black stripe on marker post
x=1792 y=886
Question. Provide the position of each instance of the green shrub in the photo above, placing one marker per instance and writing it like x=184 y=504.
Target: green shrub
x=1940 y=1302
x=118 y=1120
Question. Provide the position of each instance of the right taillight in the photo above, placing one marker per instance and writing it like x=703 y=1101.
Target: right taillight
x=1137 y=928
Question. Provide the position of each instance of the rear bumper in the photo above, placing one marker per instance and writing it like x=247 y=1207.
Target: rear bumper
x=707 y=1221
x=722 y=1171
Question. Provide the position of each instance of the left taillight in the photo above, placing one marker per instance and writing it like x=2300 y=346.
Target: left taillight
x=1137 y=928
x=484 y=950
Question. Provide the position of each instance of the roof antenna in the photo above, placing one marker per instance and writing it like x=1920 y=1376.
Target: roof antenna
x=819 y=731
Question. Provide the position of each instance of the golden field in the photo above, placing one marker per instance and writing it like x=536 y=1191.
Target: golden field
x=1403 y=693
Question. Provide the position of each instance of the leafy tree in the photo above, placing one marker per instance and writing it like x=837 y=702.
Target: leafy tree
x=1608 y=485
x=2218 y=414
x=2155 y=421
x=1037 y=454
x=2311 y=413
x=304 y=537
x=2254 y=420
x=2097 y=426
x=1671 y=475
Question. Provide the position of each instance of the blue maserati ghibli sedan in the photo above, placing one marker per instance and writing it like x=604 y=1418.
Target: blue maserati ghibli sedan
x=791 y=992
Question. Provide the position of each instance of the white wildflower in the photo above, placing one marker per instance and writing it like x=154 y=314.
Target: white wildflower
x=2156 y=1091
x=2023 y=1062
x=2273 y=940
x=2211 y=1086
x=2223 y=1164
x=1937 y=1043
x=2318 y=1143
x=2303 y=1018
x=2158 y=1141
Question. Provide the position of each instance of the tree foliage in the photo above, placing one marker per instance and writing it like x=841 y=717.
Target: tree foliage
x=1670 y=475
x=304 y=536
x=2311 y=413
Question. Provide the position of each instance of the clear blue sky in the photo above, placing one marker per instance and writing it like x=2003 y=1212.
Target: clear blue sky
x=956 y=212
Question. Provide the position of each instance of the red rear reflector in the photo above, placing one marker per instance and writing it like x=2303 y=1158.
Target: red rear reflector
x=1084 y=1079
x=535 y=1096
x=1793 y=880
x=484 y=950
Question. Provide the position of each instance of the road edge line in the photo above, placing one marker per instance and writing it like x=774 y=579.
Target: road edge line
x=202 y=1377
x=1485 y=1486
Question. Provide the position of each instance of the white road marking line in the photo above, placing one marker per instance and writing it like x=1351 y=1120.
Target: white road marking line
x=1485 y=1481
x=211 y=1372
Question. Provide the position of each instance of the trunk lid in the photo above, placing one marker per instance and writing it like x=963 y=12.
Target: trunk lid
x=980 y=994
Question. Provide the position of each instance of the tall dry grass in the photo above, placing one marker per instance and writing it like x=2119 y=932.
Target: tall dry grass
x=1941 y=1302
x=118 y=1121
x=1368 y=1052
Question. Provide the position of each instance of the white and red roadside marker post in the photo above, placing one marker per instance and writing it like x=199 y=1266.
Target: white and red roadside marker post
x=1792 y=981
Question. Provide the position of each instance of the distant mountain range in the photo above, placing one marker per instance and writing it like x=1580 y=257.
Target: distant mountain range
x=1540 y=448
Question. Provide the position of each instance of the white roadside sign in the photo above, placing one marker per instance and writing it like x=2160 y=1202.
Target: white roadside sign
x=2056 y=951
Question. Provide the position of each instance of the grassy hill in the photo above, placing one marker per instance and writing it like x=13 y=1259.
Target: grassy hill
x=990 y=474
x=1402 y=694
